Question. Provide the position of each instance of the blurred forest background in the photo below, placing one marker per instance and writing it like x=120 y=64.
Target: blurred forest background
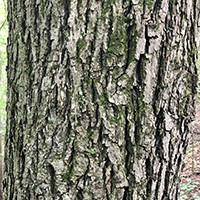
x=190 y=185
x=3 y=61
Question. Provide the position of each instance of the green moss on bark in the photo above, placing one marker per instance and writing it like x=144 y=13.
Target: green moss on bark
x=81 y=46
x=118 y=38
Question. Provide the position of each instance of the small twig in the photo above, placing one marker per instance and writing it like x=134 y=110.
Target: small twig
x=3 y=24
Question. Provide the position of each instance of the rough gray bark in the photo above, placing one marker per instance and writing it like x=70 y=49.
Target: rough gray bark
x=100 y=96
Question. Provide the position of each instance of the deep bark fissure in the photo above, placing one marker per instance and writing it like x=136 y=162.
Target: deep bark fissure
x=167 y=181
x=101 y=136
x=52 y=179
x=131 y=44
x=105 y=178
x=159 y=135
x=87 y=15
x=158 y=182
x=149 y=173
x=147 y=40
x=160 y=76
x=129 y=152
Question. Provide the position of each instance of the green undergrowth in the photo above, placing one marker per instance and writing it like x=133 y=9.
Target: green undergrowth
x=187 y=188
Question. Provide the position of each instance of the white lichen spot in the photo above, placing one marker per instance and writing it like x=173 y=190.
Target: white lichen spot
x=135 y=1
x=114 y=154
x=80 y=166
x=122 y=83
x=121 y=178
x=58 y=165
x=46 y=83
x=66 y=197
x=166 y=140
x=139 y=169
x=169 y=122
x=118 y=98
x=162 y=183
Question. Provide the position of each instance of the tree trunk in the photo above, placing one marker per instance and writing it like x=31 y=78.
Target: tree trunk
x=100 y=96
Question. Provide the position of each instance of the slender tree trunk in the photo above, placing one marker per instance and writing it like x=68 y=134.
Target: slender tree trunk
x=1 y=163
x=100 y=96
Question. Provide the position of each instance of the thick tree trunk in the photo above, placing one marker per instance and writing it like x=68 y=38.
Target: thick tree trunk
x=100 y=96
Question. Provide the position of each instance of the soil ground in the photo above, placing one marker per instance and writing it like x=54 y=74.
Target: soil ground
x=190 y=185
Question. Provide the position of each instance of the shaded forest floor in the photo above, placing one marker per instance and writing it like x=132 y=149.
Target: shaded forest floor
x=190 y=185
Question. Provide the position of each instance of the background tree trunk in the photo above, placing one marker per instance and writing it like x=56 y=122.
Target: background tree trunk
x=100 y=95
